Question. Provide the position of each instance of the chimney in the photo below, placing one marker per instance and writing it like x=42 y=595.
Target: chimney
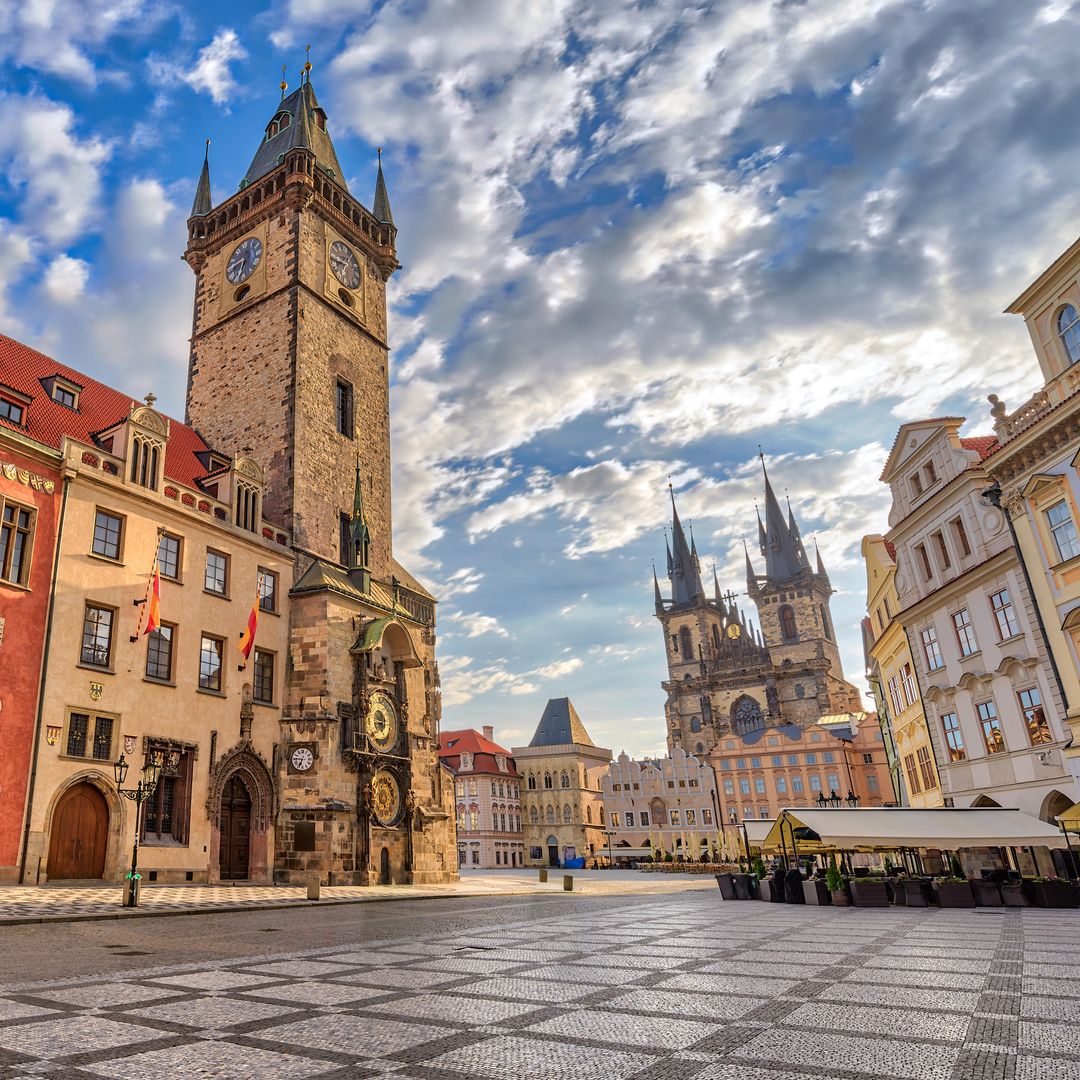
x=489 y=732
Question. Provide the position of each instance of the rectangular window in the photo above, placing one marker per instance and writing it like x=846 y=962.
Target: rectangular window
x=1063 y=530
x=815 y=782
x=168 y=556
x=216 y=580
x=781 y=785
x=63 y=396
x=706 y=817
x=691 y=817
x=811 y=759
x=916 y=483
x=777 y=761
x=926 y=769
x=90 y=736
x=268 y=586
x=108 y=531
x=211 y=651
x=828 y=757
x=1007 y=623
x=344 y=400
x=953 y=739
x=740 y=763
x=797 y=784
x=159 y=653
x=1034 y=717
x=675 y=817
x=868 y=759
x=930 y=473
x=262 y=683
x=345 y=541
x=924 y=561
x=755 y=763
x=942 y=550
x=961 y=535
x=614 y=821
x=965 y=633
x=729 y=786
x=759 y=785
x=168 y=810
x=871 y=781
x=991 y=727
x=833 y=780
x=97 y=639
x=629 y=819
x=907 y=678
x=931 y=649
x=644 y=819
x=11 y=411
x=16 y=524
x=793 y=759
x=912 y=770
x=744 y=785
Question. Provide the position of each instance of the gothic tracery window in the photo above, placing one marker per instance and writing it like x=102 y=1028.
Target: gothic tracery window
x=746 y=715
x=789 y=631
x=686 y=644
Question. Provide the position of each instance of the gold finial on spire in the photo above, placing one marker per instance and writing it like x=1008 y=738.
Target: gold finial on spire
x=307 y=60
x=283 y=84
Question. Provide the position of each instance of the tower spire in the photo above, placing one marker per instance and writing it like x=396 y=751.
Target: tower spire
x=204 y=202
x=751 y=576
x=359 y=533
x=686 y=584
x=381 y=206
x=780 y=548
x=656 y=592
x=817 y=558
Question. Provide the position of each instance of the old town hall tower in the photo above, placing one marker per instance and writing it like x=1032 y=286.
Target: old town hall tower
x=289 y=368
x=726 y=675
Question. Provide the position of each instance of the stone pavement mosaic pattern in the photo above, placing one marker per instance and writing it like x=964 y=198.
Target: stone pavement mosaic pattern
x=623 y=989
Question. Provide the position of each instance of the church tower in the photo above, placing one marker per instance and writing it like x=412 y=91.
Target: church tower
x=289 y=366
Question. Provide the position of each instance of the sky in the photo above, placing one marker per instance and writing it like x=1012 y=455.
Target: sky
x=639 y=240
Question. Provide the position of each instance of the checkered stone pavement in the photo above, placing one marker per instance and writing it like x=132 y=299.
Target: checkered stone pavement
x=673 y=988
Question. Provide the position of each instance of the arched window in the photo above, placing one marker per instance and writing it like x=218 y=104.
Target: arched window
x=686 y=645
x=547 y=780
x=1068 y=328
x=564 y=780
x=534 y=817
x=551 y=815
x=700 y=749
x=716 y=637
x=788 y=630
x=695 y=724
x=746 y=715
x=532 y=782
x=566 y=815
x=601 y=815
x=588 y=814
x=825 y=623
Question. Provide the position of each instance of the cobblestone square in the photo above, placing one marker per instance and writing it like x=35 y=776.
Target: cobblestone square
x=628 y=988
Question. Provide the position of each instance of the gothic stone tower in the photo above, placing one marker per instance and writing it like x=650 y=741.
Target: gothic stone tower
x=289 y=365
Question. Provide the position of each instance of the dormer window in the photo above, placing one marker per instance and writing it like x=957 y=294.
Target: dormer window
x=916 y=483
x=320 y=119
x=12 y=411
x=247 y=506
x=278 y=124
x=1068 y=328
x=62 y=392
x=145 y=461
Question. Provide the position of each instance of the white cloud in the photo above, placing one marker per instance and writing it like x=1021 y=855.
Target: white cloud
x=559 y=669
x=212 y=73
x=475 y=624
x=65 y=279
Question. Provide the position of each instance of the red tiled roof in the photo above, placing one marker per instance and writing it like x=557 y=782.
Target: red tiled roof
x=452 y=744
x=984 y=444
x=100 y=406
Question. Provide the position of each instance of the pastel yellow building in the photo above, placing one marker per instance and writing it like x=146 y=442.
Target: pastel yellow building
x=914 y=771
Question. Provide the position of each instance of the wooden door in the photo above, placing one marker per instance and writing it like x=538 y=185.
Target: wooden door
x=80 y=835
x=384 y=867
x=235 y=829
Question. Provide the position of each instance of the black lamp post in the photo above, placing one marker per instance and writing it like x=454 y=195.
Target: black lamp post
x=139 y=794
x=852 y=799
x=611 y=859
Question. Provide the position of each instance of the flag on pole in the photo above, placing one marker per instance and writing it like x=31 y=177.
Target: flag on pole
x=153 y=606
x=247 y=636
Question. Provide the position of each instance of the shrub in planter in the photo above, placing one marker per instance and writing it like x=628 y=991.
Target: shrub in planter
x=759 y=868
x=834 y=882
x=1053 y=893
x=954 y=892
x=869 y=892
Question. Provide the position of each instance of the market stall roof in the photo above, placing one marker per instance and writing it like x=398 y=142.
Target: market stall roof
x=758 y=829
x=887 y=828
x=1071 y=818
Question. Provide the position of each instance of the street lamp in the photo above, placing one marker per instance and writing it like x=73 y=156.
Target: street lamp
x=833 y=800
x=139 y=794
x=611 y=859
x=852 y=799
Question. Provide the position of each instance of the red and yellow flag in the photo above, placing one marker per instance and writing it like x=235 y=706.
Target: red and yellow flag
x=247 y=636
x=153 y=603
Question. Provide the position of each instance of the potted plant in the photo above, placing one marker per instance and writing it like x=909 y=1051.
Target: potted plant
x=834 y=882
x=1053 y=892
x=815 y=891
x=954 y=892
x=869 y=892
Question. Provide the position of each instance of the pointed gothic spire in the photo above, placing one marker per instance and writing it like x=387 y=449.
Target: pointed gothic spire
x=380 y=208
x=782 y=559
x=204 y=203
x=762 y=539
x=716 y=589
x=358 y=528
x=820 y=564
x=686 y=584
x=751 y=575
x=656 y=592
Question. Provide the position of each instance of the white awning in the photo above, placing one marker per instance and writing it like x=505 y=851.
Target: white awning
x=757 y=830
x=888 y=828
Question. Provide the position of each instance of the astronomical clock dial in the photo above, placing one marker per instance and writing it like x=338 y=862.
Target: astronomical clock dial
x=381 y=722
x=385 y=797
x=302 y=759
x=343 y=263
x=734 y=631
x=244 y=259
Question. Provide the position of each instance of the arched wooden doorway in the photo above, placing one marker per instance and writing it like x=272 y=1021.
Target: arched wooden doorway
x=384 y=867
x=235 y=848
x=553 y=851
x=79 y=835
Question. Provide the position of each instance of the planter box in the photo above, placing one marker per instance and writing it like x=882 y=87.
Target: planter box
x=727 y=886
x=764 y=890
x=898 y=891
x=840 y=898
x=987 y=893
x=954 y=894
x=1053 y=894
x=917 y=893
x=1014 y=894
x=743 y=889
x=776 y=888
x=816 y=892
x=865 y=893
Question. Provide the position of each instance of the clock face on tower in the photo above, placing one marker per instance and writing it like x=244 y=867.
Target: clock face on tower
x=244 y=259
x=302 y=759
x=385 y=797
x=381 y=722
x=343 y=263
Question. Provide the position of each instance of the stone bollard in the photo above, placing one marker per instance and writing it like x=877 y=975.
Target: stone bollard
x=314 y=888
x=543 y=873
x=568 y=882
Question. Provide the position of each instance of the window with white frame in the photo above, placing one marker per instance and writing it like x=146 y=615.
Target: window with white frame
x=950 y=725
x=1068 y=328
x=931 y=649
x=1007 y=624
x=1034 y=717
x=1063 y=530
x=895 y=698
x=965 y=632
x=911 y=691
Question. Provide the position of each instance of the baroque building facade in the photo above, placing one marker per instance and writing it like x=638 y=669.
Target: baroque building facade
x=487 y=793
x=562 y=808
x=290 y=361
x=725 y=675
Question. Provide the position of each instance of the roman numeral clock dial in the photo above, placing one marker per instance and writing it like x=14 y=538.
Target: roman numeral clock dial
x=243 y=260
x=343 y=263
